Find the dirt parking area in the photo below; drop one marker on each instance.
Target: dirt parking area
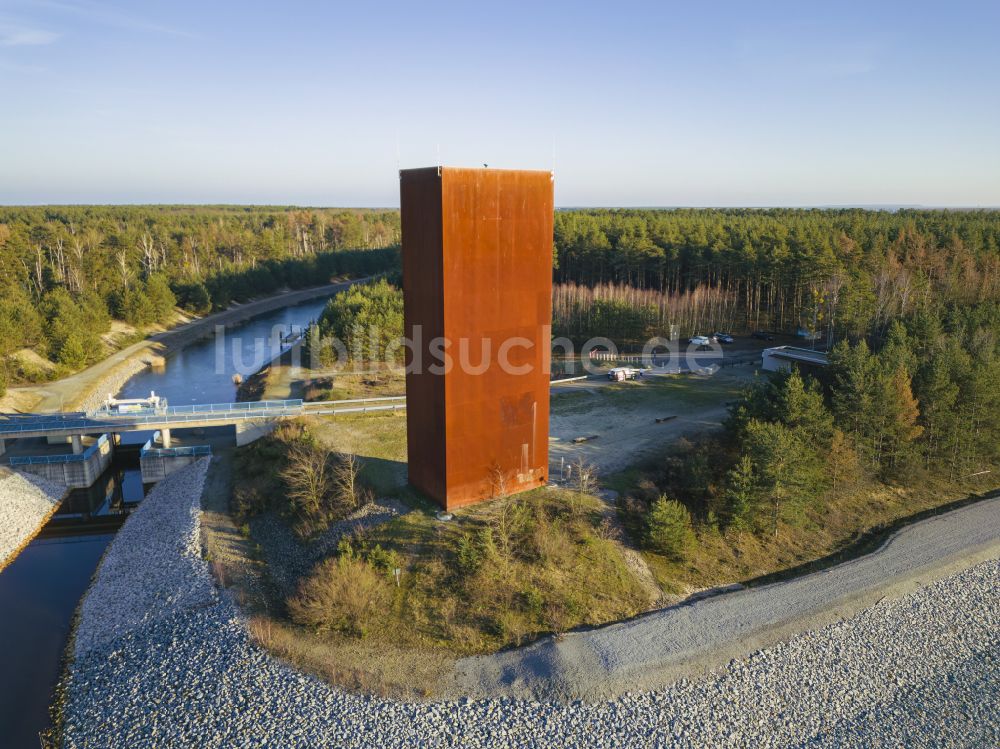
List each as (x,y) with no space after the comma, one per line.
(611,425)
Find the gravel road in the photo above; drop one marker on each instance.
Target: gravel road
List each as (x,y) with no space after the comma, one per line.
(26,502)
(921,670)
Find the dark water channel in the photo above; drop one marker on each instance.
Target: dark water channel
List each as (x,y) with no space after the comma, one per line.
(40,590)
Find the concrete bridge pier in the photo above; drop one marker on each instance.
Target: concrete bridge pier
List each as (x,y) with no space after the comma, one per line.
(77,444)
(165,438)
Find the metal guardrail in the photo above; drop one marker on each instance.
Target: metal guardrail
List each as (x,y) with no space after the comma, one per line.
(34,460)
(377,399)
(226,408)
(355,409)
(178,415)
(356,405)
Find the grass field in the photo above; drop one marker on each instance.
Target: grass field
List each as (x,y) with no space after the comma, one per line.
(680,392)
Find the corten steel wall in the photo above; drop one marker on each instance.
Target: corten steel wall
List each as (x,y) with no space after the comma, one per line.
(477,271)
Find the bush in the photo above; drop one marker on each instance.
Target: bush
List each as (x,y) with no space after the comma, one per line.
(321,486)
(668,528)
(193,297)
(345,595)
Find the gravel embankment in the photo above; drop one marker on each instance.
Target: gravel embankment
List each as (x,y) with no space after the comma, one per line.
(922,670)
(154,567)
(26,502)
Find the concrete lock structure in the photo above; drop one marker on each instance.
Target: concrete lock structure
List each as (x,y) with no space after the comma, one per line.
(477,284)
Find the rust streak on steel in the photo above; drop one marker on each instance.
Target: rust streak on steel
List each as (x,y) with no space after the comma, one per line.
(477,278)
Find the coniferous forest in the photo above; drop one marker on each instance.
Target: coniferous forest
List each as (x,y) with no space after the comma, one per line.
(907,302)
(841,273)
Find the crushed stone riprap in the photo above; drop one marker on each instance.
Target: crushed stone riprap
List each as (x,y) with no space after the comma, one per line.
(26,502)
(153,568)
(921,670)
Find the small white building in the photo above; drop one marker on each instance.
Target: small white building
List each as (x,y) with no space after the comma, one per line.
(783,358)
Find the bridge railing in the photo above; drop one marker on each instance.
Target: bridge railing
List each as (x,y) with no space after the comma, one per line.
(34,460)
(150,420)
(50,425)
(235,407)
(224,416)
(176,415)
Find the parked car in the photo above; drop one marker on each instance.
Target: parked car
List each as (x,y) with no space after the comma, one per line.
(620,374)
(723,337)
(700,340)
(763,335)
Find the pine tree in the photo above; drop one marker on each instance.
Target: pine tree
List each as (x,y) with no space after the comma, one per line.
(668,528)
(800,407)
(787,472)
(938,397)
(855,385)
(741,495)
(901,415)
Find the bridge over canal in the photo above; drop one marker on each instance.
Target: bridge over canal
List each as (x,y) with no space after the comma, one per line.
(246,416)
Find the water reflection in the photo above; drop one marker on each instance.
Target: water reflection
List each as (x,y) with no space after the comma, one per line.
(203,372)
(103,506)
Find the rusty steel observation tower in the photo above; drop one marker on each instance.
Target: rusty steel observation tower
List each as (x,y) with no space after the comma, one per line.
(477,285)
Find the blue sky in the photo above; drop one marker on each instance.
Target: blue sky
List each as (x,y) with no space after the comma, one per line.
(666,103)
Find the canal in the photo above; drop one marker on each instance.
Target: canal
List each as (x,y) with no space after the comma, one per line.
(40,590)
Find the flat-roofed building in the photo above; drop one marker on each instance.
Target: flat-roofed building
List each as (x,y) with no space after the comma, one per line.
(783,358)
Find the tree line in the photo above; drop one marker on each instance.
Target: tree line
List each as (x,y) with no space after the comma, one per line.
(843,273)
(67,271)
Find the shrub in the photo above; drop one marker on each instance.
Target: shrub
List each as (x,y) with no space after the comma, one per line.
(308,481)
(194,297)
(469,555)
(668,528)
(344,594)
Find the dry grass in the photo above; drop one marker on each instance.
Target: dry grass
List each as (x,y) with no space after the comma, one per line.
(719,559)
(373,667)
(499,574)
(378,439)
(379,382)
